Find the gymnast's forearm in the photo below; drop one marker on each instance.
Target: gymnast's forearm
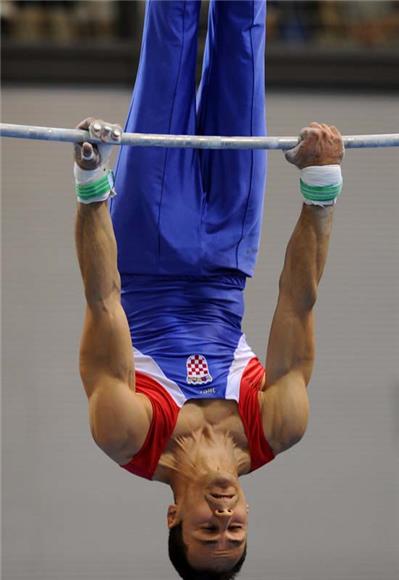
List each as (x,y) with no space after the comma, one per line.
(95,239)
(306,257)
(97,254)
(291,343)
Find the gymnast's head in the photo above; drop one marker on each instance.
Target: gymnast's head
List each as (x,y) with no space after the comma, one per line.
(208,521)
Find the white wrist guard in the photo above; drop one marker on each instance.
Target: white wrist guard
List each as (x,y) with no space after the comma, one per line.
(93,185)
(321,184)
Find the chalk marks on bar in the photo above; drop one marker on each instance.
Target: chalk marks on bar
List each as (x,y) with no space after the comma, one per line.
(188,141)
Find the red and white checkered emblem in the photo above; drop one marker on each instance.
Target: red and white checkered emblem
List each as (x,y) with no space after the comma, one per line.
(197,370)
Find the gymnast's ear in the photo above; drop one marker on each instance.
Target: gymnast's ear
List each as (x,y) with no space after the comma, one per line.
(172,516)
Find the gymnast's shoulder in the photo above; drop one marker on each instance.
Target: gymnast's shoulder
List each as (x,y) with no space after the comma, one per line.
(284,409)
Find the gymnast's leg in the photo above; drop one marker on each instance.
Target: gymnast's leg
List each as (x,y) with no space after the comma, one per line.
(231,101)
(157,212)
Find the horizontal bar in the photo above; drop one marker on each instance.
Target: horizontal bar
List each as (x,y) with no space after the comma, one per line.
(187,141)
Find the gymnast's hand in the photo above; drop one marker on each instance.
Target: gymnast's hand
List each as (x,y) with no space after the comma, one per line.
(319,144)
(90,156)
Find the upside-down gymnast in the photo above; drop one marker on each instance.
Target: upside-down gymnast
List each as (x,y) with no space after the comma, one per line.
(191,406)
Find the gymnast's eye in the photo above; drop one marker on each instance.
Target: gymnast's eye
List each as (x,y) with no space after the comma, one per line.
(210,528)
(234,528)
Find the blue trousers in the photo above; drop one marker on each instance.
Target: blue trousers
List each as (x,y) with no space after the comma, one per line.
(194,212)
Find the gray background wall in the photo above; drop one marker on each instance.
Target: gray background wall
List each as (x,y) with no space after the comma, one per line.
(328,508)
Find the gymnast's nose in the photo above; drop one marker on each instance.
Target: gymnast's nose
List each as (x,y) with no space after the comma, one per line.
(223,513)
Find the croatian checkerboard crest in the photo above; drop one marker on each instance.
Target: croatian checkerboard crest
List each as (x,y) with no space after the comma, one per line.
(198,370)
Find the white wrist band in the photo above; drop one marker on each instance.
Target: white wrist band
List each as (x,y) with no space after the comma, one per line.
(322,175)
(321,184)
(95,185)
(83,176)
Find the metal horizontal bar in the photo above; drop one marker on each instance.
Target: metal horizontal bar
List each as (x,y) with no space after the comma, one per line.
(187,141)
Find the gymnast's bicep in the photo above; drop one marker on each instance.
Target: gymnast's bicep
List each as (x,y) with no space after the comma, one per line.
(289,365)
(105,347)
(119,418)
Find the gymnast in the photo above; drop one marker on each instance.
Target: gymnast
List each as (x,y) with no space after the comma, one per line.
(165,251)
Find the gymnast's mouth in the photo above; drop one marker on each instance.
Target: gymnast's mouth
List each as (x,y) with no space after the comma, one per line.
(222,495)
(222,501)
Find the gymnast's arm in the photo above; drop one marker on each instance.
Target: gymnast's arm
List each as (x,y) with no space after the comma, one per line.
(290,352)
(119,418)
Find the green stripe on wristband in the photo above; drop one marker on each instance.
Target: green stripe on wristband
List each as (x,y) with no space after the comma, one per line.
(88,191)
(320,192)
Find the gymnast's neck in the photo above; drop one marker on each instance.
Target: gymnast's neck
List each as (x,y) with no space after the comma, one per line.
(200,456)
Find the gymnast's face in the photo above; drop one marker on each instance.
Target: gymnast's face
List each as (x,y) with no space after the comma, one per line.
(214,516)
